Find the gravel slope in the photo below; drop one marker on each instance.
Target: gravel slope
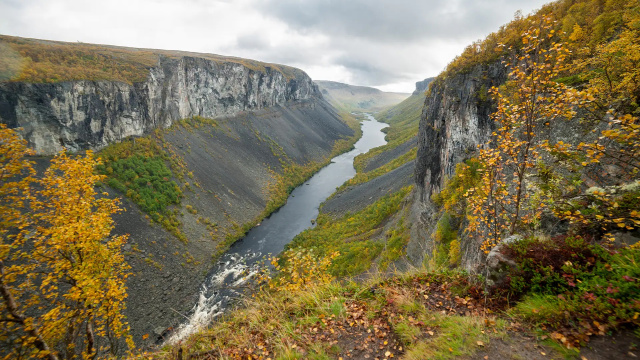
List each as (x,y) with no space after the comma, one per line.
(360,196)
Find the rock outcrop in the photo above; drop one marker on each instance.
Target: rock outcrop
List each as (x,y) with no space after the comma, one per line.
(422,86)
(92,114)
(455,120)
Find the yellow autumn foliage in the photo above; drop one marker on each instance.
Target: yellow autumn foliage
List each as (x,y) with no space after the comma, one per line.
(62,276)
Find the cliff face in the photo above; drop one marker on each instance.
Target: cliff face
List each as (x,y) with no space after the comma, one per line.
(265,114)
(455,119)
(422,86)
(92,114)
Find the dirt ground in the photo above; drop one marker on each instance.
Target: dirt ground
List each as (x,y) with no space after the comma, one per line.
(523,346)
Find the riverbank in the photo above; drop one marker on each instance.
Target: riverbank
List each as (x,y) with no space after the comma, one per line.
(226,280)
(226,167)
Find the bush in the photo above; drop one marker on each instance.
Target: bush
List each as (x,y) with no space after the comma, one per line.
(575,287)
(146,180)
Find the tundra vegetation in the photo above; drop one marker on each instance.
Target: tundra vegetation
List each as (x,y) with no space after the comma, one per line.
(42,61)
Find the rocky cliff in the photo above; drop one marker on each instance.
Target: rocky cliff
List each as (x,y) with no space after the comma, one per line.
(455,119)
(91,114)
(422,86)
(267,117)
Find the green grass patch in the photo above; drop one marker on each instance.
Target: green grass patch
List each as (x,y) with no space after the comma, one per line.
(361,177)
(351,235)
(455,336)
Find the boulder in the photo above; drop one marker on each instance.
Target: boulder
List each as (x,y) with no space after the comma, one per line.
(498,264)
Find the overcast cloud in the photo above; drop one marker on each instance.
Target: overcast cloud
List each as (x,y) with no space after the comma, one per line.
(388,44)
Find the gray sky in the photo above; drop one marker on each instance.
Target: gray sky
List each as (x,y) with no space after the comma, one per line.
(388,44)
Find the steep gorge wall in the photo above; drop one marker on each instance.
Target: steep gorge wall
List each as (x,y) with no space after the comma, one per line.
(264,118)
(231,166)
(92,114)
(455,119)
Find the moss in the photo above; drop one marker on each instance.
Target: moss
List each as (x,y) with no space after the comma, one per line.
(444,236)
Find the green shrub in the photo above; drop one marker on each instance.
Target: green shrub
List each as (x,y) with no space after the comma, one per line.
(569,283)
(452,196)
(149,178)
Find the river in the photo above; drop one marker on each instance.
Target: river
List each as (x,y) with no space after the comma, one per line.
(226,279)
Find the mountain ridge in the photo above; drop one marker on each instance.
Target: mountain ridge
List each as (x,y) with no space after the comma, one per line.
(89,114)
(358,98)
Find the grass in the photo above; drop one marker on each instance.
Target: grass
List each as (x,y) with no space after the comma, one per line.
(42,61)
(363,177)
(351,236)
(457,336)
(326,322)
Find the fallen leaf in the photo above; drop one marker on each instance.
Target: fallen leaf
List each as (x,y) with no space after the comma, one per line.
(480,343)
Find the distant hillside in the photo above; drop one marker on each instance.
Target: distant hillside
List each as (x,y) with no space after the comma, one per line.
(358,98)
(387,168)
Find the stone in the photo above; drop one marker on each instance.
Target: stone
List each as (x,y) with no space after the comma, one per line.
(622,239)
(498,264)
(158,331)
